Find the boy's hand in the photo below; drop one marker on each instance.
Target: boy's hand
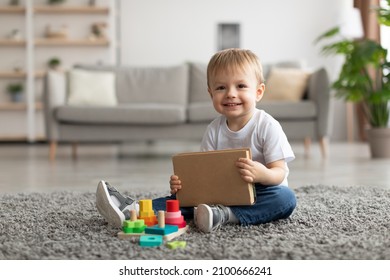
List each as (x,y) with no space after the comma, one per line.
(255,172)
(251,171)
(175,184)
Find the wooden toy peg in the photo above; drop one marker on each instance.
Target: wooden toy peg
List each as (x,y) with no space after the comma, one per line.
(133,215)
(161,219)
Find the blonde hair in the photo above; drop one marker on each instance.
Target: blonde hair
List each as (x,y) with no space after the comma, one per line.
(232,59)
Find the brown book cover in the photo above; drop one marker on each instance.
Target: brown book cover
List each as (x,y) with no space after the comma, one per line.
(212,178)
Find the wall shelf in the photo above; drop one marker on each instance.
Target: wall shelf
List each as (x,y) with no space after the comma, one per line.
(13,138)
(70,10)
(12,75)
(12,10)
(40,74)
(32,52)
(71,42)
(21,106)
(20,75)
(9,106)
(12,43)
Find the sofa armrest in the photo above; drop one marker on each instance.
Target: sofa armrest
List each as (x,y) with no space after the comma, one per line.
(54,95)
(319,92)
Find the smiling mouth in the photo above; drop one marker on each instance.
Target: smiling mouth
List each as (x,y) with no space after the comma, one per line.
(232,104)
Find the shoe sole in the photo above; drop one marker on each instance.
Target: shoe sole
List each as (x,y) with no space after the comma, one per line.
(107,208)
(204,218)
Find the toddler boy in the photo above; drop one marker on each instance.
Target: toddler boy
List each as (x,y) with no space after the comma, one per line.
(235,83)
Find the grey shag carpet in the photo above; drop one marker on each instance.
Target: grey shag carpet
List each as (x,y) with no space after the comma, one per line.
(329,223)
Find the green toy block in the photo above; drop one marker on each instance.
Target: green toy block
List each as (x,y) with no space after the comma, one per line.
(137,226)
(127,230)
(128,224)
(176,244)
(150,240)
(168,229)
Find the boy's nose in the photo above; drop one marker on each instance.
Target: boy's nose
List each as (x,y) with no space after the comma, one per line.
(231,93)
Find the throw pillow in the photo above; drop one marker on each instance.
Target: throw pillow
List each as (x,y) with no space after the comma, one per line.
(287,84)
(91,88)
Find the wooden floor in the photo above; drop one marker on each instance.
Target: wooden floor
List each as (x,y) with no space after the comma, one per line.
(26,168)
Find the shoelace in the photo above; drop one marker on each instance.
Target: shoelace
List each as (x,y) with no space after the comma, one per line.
(223,214)
(124,200)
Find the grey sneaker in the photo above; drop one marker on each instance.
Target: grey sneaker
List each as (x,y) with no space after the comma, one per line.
(112,205)
(209,218)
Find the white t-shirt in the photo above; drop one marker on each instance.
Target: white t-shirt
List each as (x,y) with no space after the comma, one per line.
(262,134)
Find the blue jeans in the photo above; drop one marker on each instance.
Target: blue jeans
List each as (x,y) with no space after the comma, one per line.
(272,203)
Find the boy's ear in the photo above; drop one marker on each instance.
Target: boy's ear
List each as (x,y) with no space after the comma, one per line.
(209,90)
(260,92)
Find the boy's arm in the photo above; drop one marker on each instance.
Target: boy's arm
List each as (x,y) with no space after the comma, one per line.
(254,172)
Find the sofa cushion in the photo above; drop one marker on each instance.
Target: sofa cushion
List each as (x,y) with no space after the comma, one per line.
(198,83)
(289,110)
(90,88)
(284,64)
(164,85)
(286,84)
(201,111)
(143,114)
(133,84)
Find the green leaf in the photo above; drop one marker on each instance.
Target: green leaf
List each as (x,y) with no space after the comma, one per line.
(383,16)
(341,47)
(330,33)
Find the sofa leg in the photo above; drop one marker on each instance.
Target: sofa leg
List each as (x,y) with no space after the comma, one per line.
(74,150)
(307,146)
(52,150)
(324,147)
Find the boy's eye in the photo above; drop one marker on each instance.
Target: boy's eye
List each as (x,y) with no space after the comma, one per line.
(220,88)
(241,86)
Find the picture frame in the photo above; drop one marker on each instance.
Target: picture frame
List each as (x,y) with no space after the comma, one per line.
(228,36)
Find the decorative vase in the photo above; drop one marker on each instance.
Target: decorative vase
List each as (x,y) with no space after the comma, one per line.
(379,140)
(17,97)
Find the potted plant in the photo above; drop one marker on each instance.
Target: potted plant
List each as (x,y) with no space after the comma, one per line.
(14,2)
(15,91)
(54,63)
(55,2)
(365,78)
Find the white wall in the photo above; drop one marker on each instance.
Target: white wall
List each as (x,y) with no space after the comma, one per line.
(174,31)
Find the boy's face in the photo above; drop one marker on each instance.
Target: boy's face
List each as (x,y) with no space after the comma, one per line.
(235,94)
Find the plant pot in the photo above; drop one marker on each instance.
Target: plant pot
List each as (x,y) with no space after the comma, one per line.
(17,97)
(379,140)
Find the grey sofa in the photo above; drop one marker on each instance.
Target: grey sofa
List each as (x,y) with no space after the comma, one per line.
(168,103)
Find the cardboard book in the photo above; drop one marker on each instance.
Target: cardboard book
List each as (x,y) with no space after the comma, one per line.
(212,178)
